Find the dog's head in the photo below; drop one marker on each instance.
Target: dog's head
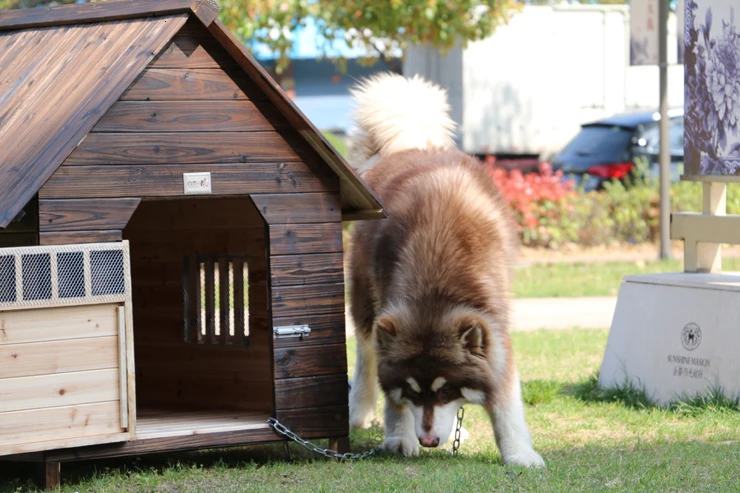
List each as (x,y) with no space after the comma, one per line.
(433,364)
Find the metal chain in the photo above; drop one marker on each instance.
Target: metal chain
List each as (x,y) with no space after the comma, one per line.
(458,427)
(348,457)
(280,428)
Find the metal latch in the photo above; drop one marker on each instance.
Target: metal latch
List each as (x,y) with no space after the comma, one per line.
(291,331)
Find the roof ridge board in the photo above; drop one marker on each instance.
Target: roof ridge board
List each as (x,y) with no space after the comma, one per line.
(205,10)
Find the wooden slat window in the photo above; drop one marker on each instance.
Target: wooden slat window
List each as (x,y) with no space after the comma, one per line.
(216,299)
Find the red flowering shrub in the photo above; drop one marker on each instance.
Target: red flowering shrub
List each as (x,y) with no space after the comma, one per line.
(539,200)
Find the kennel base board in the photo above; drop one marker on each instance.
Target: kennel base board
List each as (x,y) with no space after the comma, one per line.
(165,423)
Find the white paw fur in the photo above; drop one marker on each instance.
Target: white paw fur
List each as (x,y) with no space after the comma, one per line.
(526,458)
(405,446)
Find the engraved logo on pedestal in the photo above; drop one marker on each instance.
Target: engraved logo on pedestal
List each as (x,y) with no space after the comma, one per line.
(691,336)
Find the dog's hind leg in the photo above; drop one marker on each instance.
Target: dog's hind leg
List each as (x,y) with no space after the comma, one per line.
(364,394)
(506,411)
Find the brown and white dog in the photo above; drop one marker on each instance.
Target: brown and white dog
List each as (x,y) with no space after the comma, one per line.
(430,284)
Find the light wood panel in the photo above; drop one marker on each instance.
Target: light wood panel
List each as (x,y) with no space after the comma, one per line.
(161,423)
(57,423)
(42,358)
(55,324)
(64,389)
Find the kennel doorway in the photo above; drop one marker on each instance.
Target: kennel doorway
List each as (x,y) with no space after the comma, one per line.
(202,342)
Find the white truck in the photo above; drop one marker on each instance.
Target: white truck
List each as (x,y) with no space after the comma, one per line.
(525,91)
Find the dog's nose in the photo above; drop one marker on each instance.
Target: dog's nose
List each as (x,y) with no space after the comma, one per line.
(429,441)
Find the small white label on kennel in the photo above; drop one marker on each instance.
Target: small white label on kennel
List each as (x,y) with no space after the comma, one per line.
(196,183)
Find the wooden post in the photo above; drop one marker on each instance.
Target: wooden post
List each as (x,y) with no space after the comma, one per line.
(339,445)
(714,202)
(48,475)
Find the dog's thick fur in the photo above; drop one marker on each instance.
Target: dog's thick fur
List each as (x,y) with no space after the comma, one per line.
(430,284)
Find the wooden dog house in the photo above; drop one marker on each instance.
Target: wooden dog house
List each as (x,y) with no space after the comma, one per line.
(171,232)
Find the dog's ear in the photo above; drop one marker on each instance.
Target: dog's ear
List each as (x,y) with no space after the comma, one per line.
(472,337)
(387,329)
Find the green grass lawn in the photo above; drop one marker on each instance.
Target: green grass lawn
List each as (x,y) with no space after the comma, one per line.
(589,279)
(590,445)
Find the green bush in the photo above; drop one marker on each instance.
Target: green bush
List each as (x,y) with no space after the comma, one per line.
(620,213)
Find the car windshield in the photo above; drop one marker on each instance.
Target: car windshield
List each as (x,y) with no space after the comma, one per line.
(651,136)
(598,144)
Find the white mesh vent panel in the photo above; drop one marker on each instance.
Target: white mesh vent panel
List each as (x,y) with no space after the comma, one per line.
(64,275)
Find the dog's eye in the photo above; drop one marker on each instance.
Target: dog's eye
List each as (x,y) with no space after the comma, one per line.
(447,393)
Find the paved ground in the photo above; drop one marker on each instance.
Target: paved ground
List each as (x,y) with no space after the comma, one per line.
(563,313)
(556,313)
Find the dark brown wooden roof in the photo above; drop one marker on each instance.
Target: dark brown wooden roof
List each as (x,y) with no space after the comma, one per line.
(55,84)
(61,68)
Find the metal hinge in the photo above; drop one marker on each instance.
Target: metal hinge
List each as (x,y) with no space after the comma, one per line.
(291,331)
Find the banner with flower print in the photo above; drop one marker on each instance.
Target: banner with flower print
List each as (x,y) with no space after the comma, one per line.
(644,32)
(711,88)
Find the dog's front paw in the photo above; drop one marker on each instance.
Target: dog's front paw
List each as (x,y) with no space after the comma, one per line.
(526,458)
(401,445)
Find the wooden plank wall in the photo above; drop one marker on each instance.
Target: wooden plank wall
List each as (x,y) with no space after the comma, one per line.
(169,371)
(194,110)
(307,287)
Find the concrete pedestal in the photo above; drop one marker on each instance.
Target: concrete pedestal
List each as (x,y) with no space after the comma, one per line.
(676,334)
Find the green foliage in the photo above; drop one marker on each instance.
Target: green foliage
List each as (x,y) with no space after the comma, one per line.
(627,394)
(339,144)
(715,400)
(378,28)
(540,391)
(631,395)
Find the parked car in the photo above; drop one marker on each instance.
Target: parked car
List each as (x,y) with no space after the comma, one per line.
(607,149)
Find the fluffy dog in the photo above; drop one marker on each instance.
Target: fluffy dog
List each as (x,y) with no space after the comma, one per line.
(430,287)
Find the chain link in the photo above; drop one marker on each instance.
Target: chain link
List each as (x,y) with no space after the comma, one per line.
(348,457)
(280,428)
(458,428)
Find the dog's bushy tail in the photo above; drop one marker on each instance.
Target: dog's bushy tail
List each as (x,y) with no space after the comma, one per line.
(395,114)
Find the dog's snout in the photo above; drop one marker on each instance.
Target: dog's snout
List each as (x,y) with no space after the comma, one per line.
(429,441)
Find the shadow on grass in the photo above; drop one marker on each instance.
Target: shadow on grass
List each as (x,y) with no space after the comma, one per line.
(18,477)
(629,394)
